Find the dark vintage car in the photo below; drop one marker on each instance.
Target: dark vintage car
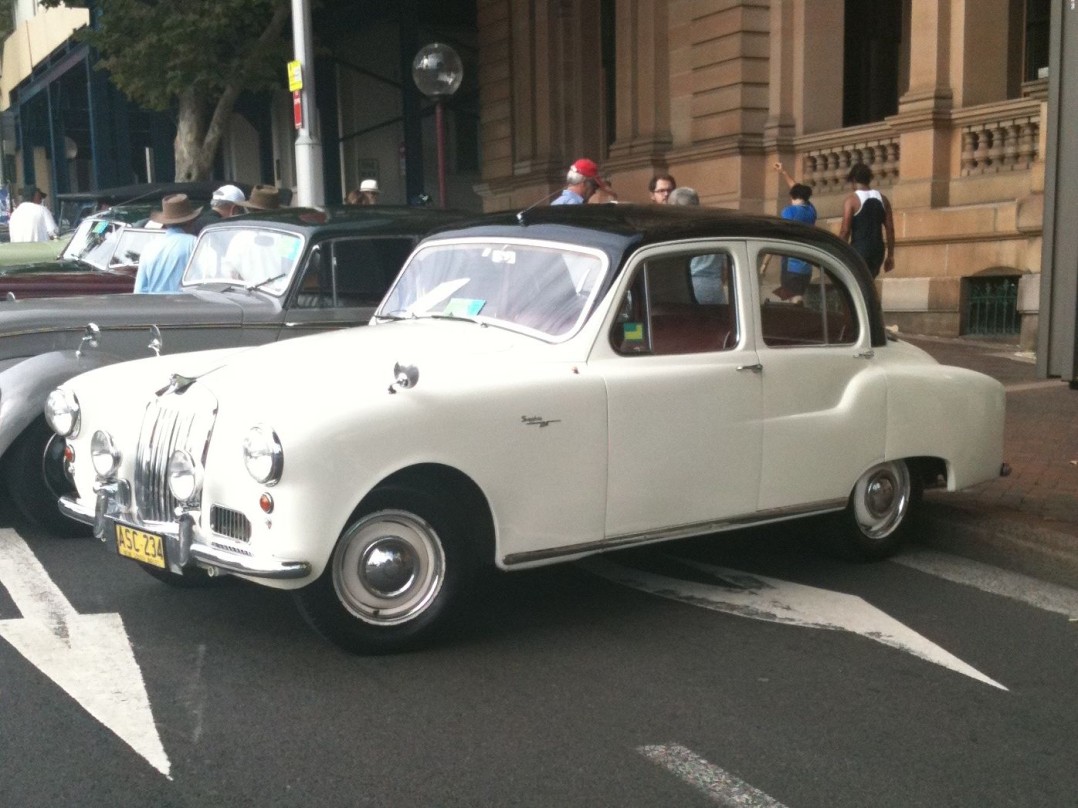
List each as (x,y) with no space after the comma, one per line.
(252,279)
(101,255)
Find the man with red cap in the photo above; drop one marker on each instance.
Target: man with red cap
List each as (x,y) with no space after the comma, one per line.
(581,182)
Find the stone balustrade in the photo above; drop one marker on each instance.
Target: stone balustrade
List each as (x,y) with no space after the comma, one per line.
(1008,144)
(824,167)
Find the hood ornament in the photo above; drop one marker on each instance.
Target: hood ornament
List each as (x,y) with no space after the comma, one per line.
(404,377)
(89,338)
(177,383)
(155,340)
(10,295)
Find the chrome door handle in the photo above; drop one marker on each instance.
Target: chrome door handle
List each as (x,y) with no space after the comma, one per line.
(757,368)
(869,354)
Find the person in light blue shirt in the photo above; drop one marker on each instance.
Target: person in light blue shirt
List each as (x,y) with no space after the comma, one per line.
(161,265)
(582,180)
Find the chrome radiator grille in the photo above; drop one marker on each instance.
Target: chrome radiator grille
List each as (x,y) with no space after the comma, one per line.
(175,420)
(229,523)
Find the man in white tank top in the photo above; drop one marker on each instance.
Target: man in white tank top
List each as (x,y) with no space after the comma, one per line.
(867,222)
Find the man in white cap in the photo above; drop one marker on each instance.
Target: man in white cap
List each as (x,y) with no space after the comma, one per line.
(582,181)
(161,265)
(226,201)
(31,221)
(368,192)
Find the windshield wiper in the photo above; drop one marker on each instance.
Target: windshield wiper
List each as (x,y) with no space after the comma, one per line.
(462,317)
(399,314)
(252,286)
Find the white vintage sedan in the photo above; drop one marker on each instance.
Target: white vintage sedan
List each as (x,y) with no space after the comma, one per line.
(533,389)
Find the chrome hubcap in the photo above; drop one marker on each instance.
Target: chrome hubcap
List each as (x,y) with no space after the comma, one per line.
(881,499)
(388,567)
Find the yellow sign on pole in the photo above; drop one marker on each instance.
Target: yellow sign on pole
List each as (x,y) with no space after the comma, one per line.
(295,75)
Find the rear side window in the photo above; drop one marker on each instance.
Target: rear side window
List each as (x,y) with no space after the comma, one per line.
(352,272)
(679,304)
(804,304)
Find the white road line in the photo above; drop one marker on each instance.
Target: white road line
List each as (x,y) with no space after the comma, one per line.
(776,601)
(88,655)
(721,786)
(1040,594)
(1023,387)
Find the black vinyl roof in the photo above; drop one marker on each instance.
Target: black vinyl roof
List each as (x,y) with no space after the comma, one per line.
(375,219)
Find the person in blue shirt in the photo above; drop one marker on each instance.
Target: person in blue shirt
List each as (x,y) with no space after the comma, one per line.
(796,273)
(161,265)
(582,181)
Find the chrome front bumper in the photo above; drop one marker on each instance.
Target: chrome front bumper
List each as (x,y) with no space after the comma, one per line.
(185,544)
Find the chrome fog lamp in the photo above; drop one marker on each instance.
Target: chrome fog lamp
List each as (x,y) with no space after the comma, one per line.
(263,455)
(103,454)
(62,412)
(184,476)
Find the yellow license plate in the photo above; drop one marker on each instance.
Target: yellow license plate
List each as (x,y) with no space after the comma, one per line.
(145,547)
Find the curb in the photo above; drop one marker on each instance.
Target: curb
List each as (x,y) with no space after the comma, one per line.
(1002,539)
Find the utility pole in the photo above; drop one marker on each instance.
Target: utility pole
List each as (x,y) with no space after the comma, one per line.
(310,185)
(1057,351)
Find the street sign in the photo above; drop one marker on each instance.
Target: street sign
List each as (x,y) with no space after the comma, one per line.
(295,75)
(297,109)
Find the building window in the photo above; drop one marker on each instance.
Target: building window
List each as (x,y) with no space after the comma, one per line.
(873,41)
(1038,23)
(992,308)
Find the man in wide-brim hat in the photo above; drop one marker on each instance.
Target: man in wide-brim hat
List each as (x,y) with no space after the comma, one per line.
(161,265)
(263,197)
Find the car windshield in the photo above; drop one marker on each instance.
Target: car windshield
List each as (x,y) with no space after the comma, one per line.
(534,287)
(93,242)
(245,256)
(108,244)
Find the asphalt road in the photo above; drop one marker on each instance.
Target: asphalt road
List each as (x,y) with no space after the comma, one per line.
(565,687)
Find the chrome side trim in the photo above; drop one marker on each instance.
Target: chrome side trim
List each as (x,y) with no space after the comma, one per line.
(679,532)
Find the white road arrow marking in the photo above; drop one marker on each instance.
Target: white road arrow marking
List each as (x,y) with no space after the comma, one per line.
(88,655)
(778,601)
(719,785)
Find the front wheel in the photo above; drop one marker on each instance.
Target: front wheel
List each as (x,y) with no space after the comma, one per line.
(34,474)
(877,517)
(392,576)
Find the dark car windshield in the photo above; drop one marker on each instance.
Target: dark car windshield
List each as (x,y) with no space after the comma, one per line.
(246,256)
(537,287)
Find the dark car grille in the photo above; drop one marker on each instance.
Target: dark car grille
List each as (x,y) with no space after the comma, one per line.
(173,421)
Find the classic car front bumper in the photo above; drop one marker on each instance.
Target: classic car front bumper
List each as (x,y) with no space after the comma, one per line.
(185,543)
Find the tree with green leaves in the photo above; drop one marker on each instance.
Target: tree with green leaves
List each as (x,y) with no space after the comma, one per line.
(192,58)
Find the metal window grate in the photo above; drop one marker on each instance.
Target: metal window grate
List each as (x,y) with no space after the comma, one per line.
(993,306)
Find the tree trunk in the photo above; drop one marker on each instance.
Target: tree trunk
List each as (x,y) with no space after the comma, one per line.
(193,160)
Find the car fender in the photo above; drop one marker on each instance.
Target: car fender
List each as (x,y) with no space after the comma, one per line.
(26,383)
(947,412)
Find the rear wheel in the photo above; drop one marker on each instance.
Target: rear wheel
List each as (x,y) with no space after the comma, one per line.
(878,515)
(35,478)
(393,575)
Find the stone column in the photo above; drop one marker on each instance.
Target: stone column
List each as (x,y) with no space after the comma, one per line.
(642,128)
(923,110)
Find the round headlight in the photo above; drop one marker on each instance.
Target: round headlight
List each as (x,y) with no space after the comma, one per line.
(62,412)
(103,454)
(184,476)
(263,455)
